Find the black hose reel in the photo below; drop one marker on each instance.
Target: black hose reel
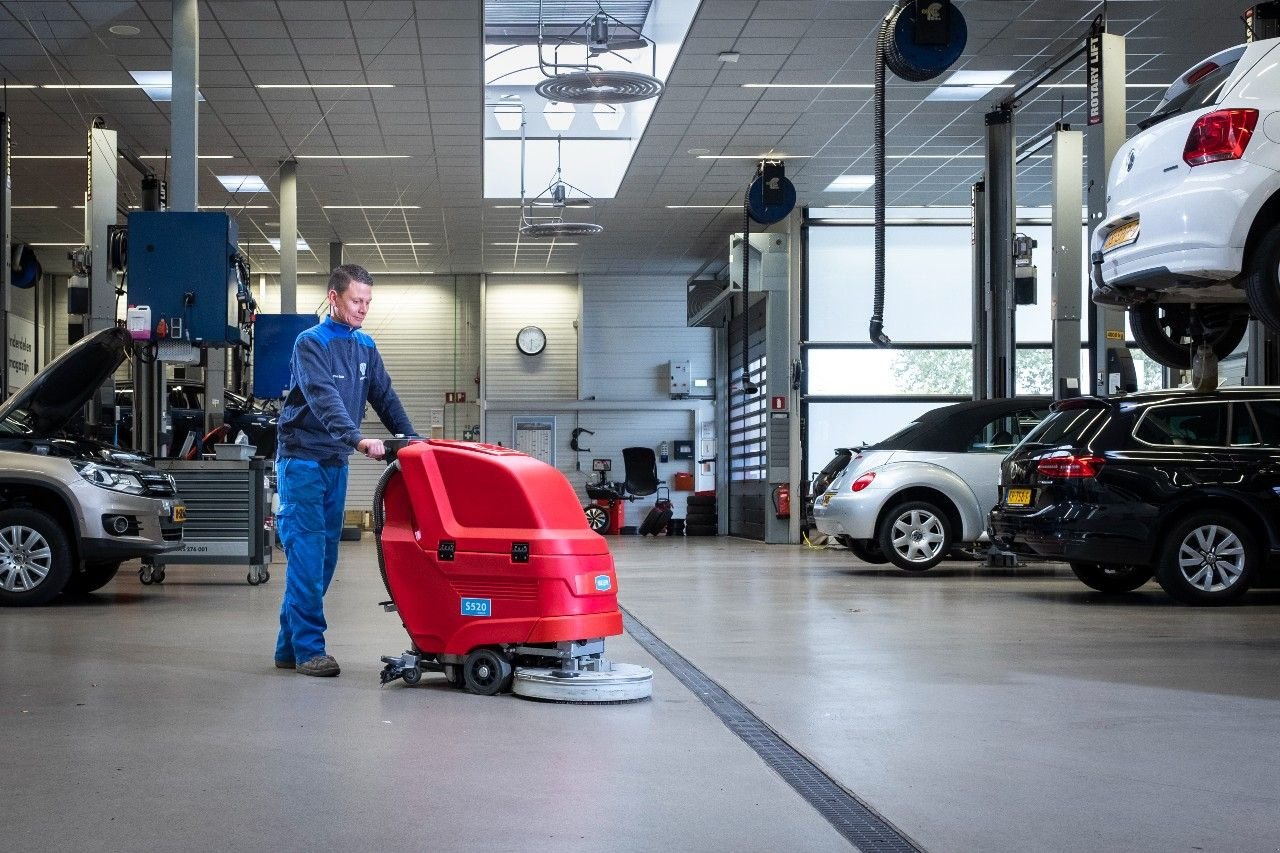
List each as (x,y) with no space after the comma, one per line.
(925,38)
(919,39)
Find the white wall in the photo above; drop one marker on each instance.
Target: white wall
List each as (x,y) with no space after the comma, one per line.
(632,327)
(512,302)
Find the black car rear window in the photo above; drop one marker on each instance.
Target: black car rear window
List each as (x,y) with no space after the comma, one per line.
(1204,93)
(1192,424)
(1070,426)
(1266,414)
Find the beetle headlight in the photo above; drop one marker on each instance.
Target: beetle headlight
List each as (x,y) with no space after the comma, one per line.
(107,477)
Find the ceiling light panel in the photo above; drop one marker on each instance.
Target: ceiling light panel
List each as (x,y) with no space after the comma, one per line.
(243,183)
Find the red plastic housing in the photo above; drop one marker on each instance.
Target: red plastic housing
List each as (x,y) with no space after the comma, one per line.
(483,545)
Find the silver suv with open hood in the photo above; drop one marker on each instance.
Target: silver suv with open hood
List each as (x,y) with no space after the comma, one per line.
(73,509)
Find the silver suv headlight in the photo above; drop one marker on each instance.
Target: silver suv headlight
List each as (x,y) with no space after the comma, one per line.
(107,477)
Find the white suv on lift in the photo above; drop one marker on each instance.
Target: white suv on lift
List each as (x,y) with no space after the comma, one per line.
(1191,242)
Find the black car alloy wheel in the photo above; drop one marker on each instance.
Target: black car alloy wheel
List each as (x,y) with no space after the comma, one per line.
(1208,558)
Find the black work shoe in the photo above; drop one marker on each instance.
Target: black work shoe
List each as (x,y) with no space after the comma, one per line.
(324,666)
(285,664)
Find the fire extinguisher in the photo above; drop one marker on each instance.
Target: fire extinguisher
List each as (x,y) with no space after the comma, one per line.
(782,500)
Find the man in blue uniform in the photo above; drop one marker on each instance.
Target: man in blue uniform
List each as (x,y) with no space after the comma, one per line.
(335,370)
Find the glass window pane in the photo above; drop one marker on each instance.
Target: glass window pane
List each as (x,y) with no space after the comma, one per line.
(882,372)
(928,282)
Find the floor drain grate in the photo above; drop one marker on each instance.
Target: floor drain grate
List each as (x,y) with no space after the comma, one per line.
(851,817)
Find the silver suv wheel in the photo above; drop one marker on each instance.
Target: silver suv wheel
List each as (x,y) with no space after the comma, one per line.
(35,557)
(25,558)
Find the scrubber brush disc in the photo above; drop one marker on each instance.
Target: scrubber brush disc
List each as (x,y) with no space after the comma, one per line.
(614,683)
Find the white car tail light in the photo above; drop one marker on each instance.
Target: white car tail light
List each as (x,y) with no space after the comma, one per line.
(1219,135)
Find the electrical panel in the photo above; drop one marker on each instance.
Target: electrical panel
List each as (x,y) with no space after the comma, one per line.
(186,268)
(273,339)
(679,372)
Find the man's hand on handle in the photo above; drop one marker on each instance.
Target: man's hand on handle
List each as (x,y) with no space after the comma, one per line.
(371,447)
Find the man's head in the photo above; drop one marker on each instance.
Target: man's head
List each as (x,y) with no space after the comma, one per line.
(350,292)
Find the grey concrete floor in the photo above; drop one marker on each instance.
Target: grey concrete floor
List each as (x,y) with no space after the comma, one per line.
(976,709)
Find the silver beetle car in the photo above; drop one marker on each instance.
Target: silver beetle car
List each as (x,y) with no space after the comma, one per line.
(908,500)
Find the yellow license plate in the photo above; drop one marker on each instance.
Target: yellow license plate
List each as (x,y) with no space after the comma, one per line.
(179,513)
(826,498)
(1122,236)
(1017,497)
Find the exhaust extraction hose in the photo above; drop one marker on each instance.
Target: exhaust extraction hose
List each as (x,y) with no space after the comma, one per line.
(876,330)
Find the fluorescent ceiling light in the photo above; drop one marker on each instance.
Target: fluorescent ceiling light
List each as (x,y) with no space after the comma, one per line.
(243,183)
(47,157)
(55,244)
(537,245)
(234,206)
(124,30)
(326,85)
(754,156)
(371,207)
(808,85)
(977,78)
(158,85)
(703,206)
(363,245)
(851,183)
(274,242)
(959,93)
(33,207)
(89,86)
(200,156)
(352,156)
(20,86)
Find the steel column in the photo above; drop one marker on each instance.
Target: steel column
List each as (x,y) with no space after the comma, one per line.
(289,236)
(1000,225)
(978,237)
(6,240)
(1106,93)
(184,129)
(1068,260)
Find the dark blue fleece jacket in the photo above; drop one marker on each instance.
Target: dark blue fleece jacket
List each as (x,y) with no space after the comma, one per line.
(335,370)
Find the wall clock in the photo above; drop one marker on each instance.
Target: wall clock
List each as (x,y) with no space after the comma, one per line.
(531,340)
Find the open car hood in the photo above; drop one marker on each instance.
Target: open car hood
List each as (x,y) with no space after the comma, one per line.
(59,392)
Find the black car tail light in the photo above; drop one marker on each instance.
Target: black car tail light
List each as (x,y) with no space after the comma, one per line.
(1070,466)
(864,481)
(1219,135)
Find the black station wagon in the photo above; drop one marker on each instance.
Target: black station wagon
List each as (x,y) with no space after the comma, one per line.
(1181,485)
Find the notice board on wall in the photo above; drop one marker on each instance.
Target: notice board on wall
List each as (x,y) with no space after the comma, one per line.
(536,437)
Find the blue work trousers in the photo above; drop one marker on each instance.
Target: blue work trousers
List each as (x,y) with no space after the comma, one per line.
(312,498)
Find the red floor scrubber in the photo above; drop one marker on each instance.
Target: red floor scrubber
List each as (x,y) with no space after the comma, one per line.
(496,576)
